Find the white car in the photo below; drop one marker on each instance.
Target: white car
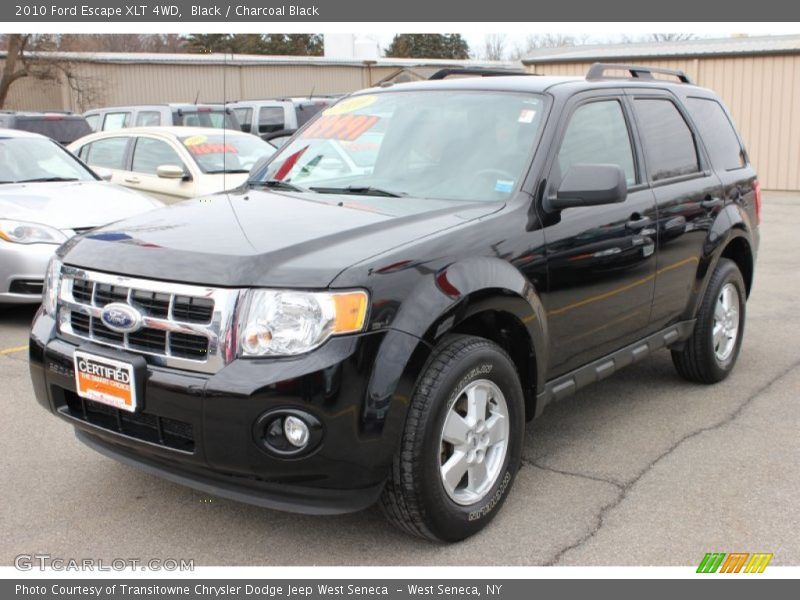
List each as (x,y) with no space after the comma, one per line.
(46,197)
(173,163)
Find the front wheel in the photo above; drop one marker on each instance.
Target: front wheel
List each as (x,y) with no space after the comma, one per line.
(462,442)
(710,354)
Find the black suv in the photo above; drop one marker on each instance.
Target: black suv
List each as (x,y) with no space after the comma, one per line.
(423,268)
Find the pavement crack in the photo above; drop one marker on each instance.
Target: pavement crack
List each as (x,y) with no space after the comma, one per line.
(532,463)
(626,487)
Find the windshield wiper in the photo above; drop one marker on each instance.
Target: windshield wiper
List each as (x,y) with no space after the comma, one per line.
(46,179)
(278,185)
(360,190)
(218,171)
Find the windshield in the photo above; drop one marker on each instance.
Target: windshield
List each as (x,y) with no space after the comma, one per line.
(36,159)
(226,153)
(441,144)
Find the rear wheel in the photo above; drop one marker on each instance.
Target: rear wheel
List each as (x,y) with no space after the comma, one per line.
(461,445)
(710,354)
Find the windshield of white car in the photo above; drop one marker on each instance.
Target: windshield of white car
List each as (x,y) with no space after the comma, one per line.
(226,153)
(448,145)
(36,160)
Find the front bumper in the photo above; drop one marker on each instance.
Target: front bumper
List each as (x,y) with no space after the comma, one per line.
(198,429)
(22,271)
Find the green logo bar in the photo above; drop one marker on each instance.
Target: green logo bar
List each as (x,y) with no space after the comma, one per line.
(711,562)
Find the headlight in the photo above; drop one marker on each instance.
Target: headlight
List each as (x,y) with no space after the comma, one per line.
(21,232)
(52,281)
(283,323)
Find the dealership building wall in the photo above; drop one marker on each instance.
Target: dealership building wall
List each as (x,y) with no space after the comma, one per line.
(757,78)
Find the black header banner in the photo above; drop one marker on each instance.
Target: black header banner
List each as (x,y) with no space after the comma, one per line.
(440,11)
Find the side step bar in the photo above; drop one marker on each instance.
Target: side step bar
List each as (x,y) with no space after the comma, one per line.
(566,385)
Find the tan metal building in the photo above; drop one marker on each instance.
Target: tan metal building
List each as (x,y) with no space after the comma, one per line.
(108,79)
(757,77)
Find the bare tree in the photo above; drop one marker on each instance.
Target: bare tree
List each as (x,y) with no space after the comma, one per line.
(671,37)
(546,40)
(34,56)
(494,46)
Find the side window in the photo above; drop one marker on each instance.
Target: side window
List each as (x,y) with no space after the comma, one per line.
(148,118)
(597,133)
(717,132)
(270,118)
(93,121)
(245,116)
(149,154)
(668,142)
(116,120)
(108,153)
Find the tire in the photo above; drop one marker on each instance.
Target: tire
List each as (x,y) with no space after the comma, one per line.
(702,360)
(416,499)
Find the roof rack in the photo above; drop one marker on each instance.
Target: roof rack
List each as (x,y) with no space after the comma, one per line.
(476,71)
(598,71)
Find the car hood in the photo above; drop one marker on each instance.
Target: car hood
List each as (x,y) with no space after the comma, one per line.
(72,204)
(256,238)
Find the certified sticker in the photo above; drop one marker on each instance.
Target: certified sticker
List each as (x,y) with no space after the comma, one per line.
(105,380)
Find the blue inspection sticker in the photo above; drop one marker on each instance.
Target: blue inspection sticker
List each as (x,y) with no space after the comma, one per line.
(504,185)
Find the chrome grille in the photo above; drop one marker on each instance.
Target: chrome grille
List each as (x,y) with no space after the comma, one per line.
(183,326)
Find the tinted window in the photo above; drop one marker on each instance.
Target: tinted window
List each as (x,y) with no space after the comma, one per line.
(116,120)
(148,118)
(717,133)
(206,118)
(270,118)
(149,154)
(108,153)
(245,116)
(668,142)
(597,133)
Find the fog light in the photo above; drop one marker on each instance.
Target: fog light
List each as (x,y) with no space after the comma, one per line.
(296,431)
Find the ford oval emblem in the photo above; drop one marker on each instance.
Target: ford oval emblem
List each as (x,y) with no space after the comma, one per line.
(121,318)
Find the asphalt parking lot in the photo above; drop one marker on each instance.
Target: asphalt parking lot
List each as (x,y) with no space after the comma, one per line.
(642,469)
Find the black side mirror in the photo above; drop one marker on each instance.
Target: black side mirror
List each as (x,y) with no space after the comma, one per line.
(590,185)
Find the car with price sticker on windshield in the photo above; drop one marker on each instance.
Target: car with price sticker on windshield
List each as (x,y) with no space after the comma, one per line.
(374,314)
(173,163)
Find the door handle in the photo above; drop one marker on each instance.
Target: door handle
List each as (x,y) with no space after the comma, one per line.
(637,222)
(132,180)
(710,202)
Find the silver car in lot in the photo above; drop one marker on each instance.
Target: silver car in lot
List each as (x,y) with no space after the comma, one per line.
(47,196)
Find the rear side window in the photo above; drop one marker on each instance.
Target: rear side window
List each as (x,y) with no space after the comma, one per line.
(149,154)
(93,121)
(108,153)
(597,133)
(270,118)
(148,118)
(668,142)
(116,120)
(717,132)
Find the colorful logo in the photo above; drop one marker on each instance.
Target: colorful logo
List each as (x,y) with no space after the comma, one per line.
(735,562)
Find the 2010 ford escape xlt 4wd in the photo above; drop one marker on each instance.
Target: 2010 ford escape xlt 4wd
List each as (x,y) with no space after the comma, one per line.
(374,316)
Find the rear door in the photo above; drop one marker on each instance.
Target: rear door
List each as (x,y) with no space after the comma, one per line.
(109,153)
(688,194)
(600,259)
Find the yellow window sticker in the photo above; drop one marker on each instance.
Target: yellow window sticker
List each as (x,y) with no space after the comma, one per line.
(195,140)
(351,105)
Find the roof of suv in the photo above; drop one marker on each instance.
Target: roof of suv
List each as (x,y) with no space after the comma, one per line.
(178,105)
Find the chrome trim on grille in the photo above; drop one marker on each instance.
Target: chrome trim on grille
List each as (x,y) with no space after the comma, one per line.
(220,331)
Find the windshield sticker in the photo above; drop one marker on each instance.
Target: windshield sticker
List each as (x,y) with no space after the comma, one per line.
(350,105)
(212,149)
(195,140)
(346,128)
(504,185)
(526,115)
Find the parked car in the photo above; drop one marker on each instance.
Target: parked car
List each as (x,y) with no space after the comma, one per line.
(277,119)
(154,115)
(173,163)
(46,197)
(63,127)
(322,339)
